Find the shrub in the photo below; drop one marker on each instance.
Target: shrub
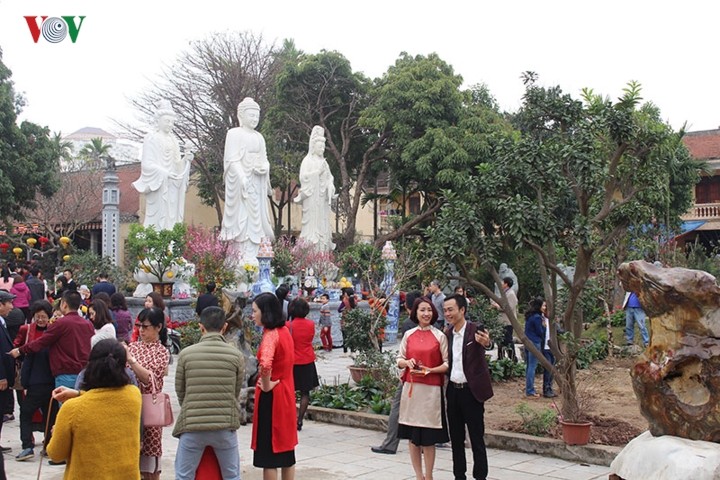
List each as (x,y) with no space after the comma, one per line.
(590,352)
(189,334)
(366,395)
(536,422)
(361,329)
(505,369)
(211,257)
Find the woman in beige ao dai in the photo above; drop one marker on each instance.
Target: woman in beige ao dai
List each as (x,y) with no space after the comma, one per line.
(424,357)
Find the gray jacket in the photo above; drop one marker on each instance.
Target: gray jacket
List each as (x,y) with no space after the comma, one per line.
(208,381)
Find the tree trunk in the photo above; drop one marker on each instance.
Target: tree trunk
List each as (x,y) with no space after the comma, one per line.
(569,408)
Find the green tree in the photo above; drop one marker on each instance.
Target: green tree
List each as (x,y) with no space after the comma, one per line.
(95,153)
(322,89)
(29,158)
(567,186)
(413,122)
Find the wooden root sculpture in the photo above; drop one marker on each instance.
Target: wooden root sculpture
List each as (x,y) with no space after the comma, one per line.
(677,378)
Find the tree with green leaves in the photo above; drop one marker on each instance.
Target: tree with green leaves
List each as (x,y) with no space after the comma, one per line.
(414,122)
(96,153)
(566,186)
(29,158)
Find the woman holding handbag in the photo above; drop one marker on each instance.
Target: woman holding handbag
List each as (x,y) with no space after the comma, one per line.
(148,358)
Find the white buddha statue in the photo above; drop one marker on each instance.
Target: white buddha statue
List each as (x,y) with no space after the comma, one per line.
(247,184)
(164,173)
(316,193)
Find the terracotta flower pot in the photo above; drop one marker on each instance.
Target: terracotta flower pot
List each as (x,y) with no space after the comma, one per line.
(357,373)
(576,433)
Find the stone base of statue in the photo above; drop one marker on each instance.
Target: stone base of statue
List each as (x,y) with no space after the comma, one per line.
(667,458)
(178,310)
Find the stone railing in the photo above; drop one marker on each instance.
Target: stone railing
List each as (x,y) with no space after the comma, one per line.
(703,211)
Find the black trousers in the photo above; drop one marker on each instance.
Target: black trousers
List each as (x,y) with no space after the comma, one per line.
(36,396)
(463,409)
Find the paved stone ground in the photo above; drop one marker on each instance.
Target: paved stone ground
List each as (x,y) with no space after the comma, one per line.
(329,451)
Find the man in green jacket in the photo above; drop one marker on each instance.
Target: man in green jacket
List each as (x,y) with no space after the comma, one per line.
(208,381)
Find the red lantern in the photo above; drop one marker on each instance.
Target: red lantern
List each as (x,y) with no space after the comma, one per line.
(4,247)
(43,241)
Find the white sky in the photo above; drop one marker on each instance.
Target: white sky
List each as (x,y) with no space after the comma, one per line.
(669,47)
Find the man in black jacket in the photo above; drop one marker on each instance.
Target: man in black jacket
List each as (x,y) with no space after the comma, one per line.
(469,387)
(207,299)
(7,363)
(36,285)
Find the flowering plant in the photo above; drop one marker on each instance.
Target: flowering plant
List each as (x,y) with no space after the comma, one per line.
(250,271)
(211,257)
(306,255)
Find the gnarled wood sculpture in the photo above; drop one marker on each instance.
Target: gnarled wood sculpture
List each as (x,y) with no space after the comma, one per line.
(677,378)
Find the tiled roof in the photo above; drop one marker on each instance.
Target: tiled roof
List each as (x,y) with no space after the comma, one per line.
(88,133)
(703,145)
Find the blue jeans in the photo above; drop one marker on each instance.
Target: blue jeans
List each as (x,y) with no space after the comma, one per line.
(632,315)
(65,380)
(192,445)
(530,368)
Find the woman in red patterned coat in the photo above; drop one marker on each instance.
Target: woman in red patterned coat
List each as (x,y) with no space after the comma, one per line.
(274,434)
(148,358)
(424,356)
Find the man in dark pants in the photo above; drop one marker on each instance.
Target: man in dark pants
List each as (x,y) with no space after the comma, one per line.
(7,363)
(468,389)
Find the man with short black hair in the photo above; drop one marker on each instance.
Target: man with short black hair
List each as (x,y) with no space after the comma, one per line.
(103,285)
(207,299)
(36,285)
(68,274)
(7,364)
(506,345)
(197,425)
(468,389)
(438,299)
(68,341)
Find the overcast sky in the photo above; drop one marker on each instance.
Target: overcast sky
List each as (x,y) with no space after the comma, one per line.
(671,50)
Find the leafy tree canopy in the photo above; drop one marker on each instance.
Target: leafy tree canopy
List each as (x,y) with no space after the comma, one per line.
(29,158)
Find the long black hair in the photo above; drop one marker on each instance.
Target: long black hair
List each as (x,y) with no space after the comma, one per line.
(350,294)
(534,307)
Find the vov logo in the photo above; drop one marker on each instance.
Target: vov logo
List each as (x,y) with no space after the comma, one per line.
(54,29)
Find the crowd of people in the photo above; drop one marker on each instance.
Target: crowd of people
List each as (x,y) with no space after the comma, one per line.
(77,350)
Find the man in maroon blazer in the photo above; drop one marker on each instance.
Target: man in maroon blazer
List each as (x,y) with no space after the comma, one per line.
(469,387)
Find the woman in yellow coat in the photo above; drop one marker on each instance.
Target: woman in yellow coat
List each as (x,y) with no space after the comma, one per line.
(95,444)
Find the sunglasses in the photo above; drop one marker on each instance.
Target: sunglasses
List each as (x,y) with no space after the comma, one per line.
(143,326)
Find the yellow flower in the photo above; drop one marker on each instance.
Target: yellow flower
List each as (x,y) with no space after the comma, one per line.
(169,274)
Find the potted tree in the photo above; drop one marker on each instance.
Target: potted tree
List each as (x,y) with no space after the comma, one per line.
(362,335)
(568,183)
(159,254)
